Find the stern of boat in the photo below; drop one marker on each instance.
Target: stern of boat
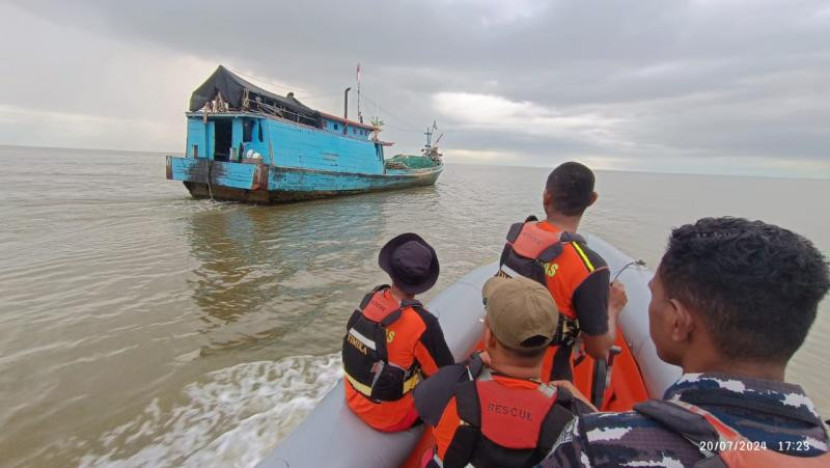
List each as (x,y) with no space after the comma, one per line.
(221,180)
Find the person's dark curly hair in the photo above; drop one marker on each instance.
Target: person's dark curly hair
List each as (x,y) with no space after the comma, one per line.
(571,185)
(757,286)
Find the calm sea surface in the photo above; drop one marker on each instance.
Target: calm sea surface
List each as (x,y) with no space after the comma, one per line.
(139,327)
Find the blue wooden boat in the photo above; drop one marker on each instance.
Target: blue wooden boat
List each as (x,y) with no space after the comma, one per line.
(245,143)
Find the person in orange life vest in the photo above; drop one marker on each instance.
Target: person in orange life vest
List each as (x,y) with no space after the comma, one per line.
(494,410)
(551,253)
(392,341)
(731,302)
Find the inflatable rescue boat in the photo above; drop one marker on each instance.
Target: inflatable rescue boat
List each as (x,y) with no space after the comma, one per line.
(332,436)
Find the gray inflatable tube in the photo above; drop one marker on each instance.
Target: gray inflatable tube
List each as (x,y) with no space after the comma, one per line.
(332,436)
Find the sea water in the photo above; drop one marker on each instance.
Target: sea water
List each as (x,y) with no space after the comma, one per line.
(143,328)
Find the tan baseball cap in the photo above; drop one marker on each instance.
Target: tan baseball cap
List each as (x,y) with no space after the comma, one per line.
(519,309)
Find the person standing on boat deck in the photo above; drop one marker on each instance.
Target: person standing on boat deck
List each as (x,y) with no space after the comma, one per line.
(493,410)
(731,302)
(551,253)
(392,341)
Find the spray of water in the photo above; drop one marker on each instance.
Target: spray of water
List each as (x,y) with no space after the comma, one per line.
(233,418)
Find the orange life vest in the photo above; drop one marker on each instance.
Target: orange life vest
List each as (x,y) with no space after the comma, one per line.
(730,449)
(365,355)
(530,251)
(501,425)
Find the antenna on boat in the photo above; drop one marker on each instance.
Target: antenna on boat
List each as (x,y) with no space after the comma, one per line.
(359,114)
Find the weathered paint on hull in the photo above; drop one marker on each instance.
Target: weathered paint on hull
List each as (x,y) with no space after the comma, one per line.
(261,183)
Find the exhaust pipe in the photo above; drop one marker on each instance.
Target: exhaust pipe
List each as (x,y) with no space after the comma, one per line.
(346,103)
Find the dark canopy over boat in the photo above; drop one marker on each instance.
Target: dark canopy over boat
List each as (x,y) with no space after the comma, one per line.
(243,95)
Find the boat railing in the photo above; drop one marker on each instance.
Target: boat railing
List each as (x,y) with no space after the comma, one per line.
(267,110)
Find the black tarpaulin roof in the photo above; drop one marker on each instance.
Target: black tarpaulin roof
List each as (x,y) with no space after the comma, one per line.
(233,87)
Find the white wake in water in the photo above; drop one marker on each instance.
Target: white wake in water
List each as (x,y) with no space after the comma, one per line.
(233,419)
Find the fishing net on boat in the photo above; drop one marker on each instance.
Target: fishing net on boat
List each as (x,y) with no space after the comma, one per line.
(409,161)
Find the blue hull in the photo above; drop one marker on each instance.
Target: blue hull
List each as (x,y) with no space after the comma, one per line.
(247,144)
(263,183)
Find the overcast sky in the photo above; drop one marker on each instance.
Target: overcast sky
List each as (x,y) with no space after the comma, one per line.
(723,86)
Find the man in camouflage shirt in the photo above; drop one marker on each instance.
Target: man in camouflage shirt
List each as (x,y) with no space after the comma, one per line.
(732,301)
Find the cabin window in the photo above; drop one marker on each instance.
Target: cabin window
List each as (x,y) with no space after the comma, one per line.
(336,127)
(259,131)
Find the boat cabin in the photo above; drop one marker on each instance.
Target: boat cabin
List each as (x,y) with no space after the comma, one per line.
(232,120)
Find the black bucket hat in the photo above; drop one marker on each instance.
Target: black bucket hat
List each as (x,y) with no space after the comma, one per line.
(411,263)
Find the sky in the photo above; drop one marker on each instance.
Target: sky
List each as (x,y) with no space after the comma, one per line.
(702,86)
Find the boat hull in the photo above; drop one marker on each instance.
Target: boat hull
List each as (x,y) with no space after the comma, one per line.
(266,184)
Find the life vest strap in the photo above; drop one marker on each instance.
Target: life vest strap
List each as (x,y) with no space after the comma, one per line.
(368,297)
(366,390)
(567,331)
(361,388)
(724,431)
(410,383)
(714,397)
(691,426)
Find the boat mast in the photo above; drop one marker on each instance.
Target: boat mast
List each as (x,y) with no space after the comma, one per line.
(429,133)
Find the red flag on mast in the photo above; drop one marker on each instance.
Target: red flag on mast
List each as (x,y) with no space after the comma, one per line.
(358,72)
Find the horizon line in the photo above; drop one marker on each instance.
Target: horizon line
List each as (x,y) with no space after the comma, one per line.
(532,166)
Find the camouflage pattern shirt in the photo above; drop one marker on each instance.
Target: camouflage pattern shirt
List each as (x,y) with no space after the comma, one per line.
(776,413)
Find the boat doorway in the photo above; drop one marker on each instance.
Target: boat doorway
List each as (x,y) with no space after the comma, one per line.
(222,146)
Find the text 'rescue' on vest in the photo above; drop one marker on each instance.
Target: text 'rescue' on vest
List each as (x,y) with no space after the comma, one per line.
(365,357)
(501,425)
(530,251)
(721,445)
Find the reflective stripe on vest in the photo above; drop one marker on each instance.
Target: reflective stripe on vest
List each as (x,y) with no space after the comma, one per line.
(408,385)
(366,341)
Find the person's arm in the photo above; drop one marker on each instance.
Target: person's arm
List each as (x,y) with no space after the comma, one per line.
(431,350)
(597,307)
(569,450)
(585,404)
(434,400)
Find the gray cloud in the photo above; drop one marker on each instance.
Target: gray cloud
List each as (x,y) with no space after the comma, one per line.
(617,81)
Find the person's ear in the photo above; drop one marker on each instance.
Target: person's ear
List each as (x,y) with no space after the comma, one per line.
(489,338)
(594,197)
(547,201)
(682,322)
